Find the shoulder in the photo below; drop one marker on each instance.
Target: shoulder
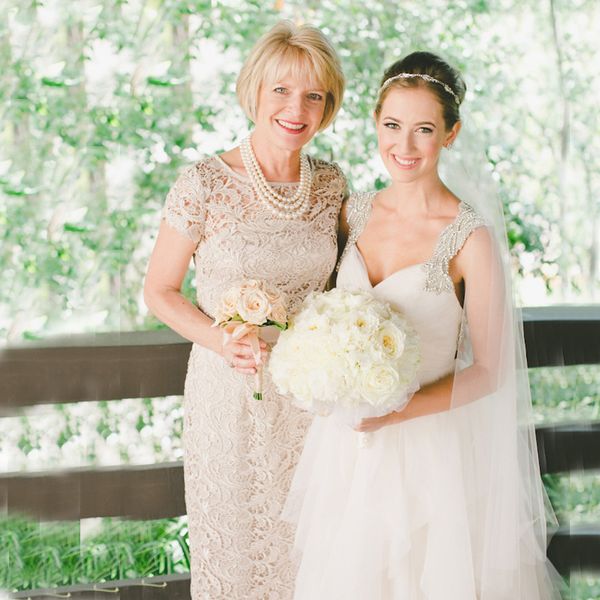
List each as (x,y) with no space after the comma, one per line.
(329,175)
(475,240)
(356,211)
(455,235)
(359,203)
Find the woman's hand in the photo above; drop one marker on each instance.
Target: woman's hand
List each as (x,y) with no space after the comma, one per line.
(238,355)
(374,423)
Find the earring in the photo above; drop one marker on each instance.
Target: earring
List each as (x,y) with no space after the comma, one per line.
(448,146)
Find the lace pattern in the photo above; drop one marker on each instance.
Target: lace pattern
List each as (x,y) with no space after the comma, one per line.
(239,454)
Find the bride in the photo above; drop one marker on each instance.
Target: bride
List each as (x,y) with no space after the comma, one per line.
(446,501)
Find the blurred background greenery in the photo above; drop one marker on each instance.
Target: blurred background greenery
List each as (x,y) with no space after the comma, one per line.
(101,102)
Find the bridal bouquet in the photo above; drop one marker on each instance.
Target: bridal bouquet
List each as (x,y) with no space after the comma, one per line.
(349,353)
(246,307)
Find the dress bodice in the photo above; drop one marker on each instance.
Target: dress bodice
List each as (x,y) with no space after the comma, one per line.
(423,292)
(237,237)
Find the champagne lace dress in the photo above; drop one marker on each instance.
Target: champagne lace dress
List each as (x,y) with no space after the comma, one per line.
(240,453)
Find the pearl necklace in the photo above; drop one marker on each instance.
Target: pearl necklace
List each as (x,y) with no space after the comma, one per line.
(281,206)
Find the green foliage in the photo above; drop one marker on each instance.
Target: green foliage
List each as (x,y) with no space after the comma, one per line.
(101,105)
(566,394)
(102,102)
(37,555)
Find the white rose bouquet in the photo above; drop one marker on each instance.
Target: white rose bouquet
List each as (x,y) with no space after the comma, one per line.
(246,307)
(349,353)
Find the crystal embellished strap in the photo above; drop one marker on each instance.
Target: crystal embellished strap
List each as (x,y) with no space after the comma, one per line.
(451,240)
(358,211)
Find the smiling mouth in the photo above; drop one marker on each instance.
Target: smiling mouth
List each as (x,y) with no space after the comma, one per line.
(290,126)
(405,163)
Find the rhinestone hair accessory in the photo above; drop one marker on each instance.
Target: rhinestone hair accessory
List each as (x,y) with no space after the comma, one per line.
(423,76)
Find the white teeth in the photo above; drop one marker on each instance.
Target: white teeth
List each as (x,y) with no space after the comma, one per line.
(405,163)
(290,125)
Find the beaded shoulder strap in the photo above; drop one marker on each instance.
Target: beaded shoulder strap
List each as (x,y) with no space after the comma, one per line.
(358,211)
(451,240)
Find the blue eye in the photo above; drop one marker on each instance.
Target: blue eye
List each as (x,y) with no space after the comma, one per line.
(315,96)
(391,125)
(280,90)
(425,130)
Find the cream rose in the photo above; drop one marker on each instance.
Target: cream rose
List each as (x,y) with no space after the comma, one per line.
(228,307)
(379,381)
(391,341)
(278,312)
(253,306)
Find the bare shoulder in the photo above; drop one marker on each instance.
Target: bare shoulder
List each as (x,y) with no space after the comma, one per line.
(477,252)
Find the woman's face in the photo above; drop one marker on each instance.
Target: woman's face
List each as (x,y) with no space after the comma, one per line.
(411,133)
(289,112)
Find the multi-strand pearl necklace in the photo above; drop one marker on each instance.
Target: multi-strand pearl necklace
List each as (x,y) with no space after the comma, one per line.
(281,206)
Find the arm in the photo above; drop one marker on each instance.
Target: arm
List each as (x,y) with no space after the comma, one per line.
(477,264)
(162,293)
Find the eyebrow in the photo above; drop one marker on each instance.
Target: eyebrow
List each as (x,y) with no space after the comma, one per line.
(311,89)
(420,123)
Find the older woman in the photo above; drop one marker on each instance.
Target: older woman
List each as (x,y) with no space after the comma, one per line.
(263,210)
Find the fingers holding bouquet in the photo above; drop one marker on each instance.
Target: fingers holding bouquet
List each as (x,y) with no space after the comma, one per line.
(372,424)
(238,354)
(243,310)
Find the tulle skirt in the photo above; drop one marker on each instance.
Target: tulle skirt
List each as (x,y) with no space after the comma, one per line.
(408,517)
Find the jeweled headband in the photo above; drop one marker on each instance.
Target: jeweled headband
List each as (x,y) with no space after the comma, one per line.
(423,76)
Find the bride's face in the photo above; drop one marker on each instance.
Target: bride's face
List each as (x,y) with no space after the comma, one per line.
(411,133)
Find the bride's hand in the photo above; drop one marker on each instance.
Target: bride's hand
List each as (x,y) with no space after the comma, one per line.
(374,423)
(238,355)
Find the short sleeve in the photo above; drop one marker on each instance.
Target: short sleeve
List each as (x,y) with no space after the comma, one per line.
(185,206)
(330,181)
(341,188)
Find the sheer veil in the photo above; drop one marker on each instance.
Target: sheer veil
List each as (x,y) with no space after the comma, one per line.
(492,404)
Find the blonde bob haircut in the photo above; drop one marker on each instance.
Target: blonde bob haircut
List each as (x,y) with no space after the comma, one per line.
(300,51)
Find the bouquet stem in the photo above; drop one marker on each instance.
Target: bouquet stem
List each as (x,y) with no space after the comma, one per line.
(257,395)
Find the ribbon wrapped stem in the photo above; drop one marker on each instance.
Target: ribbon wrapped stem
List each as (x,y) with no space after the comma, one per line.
(236,331)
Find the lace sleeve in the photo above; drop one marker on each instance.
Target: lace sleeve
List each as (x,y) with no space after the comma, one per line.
(341,185)
(330,180)
(184,208)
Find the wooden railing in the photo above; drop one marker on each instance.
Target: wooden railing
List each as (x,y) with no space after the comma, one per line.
(152,364)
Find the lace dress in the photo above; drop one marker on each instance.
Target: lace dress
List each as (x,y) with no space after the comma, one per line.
(239,453)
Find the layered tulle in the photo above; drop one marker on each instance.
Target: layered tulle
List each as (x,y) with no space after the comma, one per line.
(408,517)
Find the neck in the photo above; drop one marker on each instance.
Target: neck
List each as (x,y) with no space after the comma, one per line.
(417,197)
(277,164)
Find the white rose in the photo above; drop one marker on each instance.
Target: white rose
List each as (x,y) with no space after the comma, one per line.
(378,382)
(391,341)
(253,306)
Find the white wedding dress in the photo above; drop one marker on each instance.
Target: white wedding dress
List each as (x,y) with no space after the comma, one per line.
(396,520)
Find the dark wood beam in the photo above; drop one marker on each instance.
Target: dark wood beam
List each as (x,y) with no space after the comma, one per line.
(136,492)
(153,363)
(156,491)
(573,447)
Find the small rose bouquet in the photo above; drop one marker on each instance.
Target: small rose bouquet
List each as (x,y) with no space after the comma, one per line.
(347,352)
(246,307)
